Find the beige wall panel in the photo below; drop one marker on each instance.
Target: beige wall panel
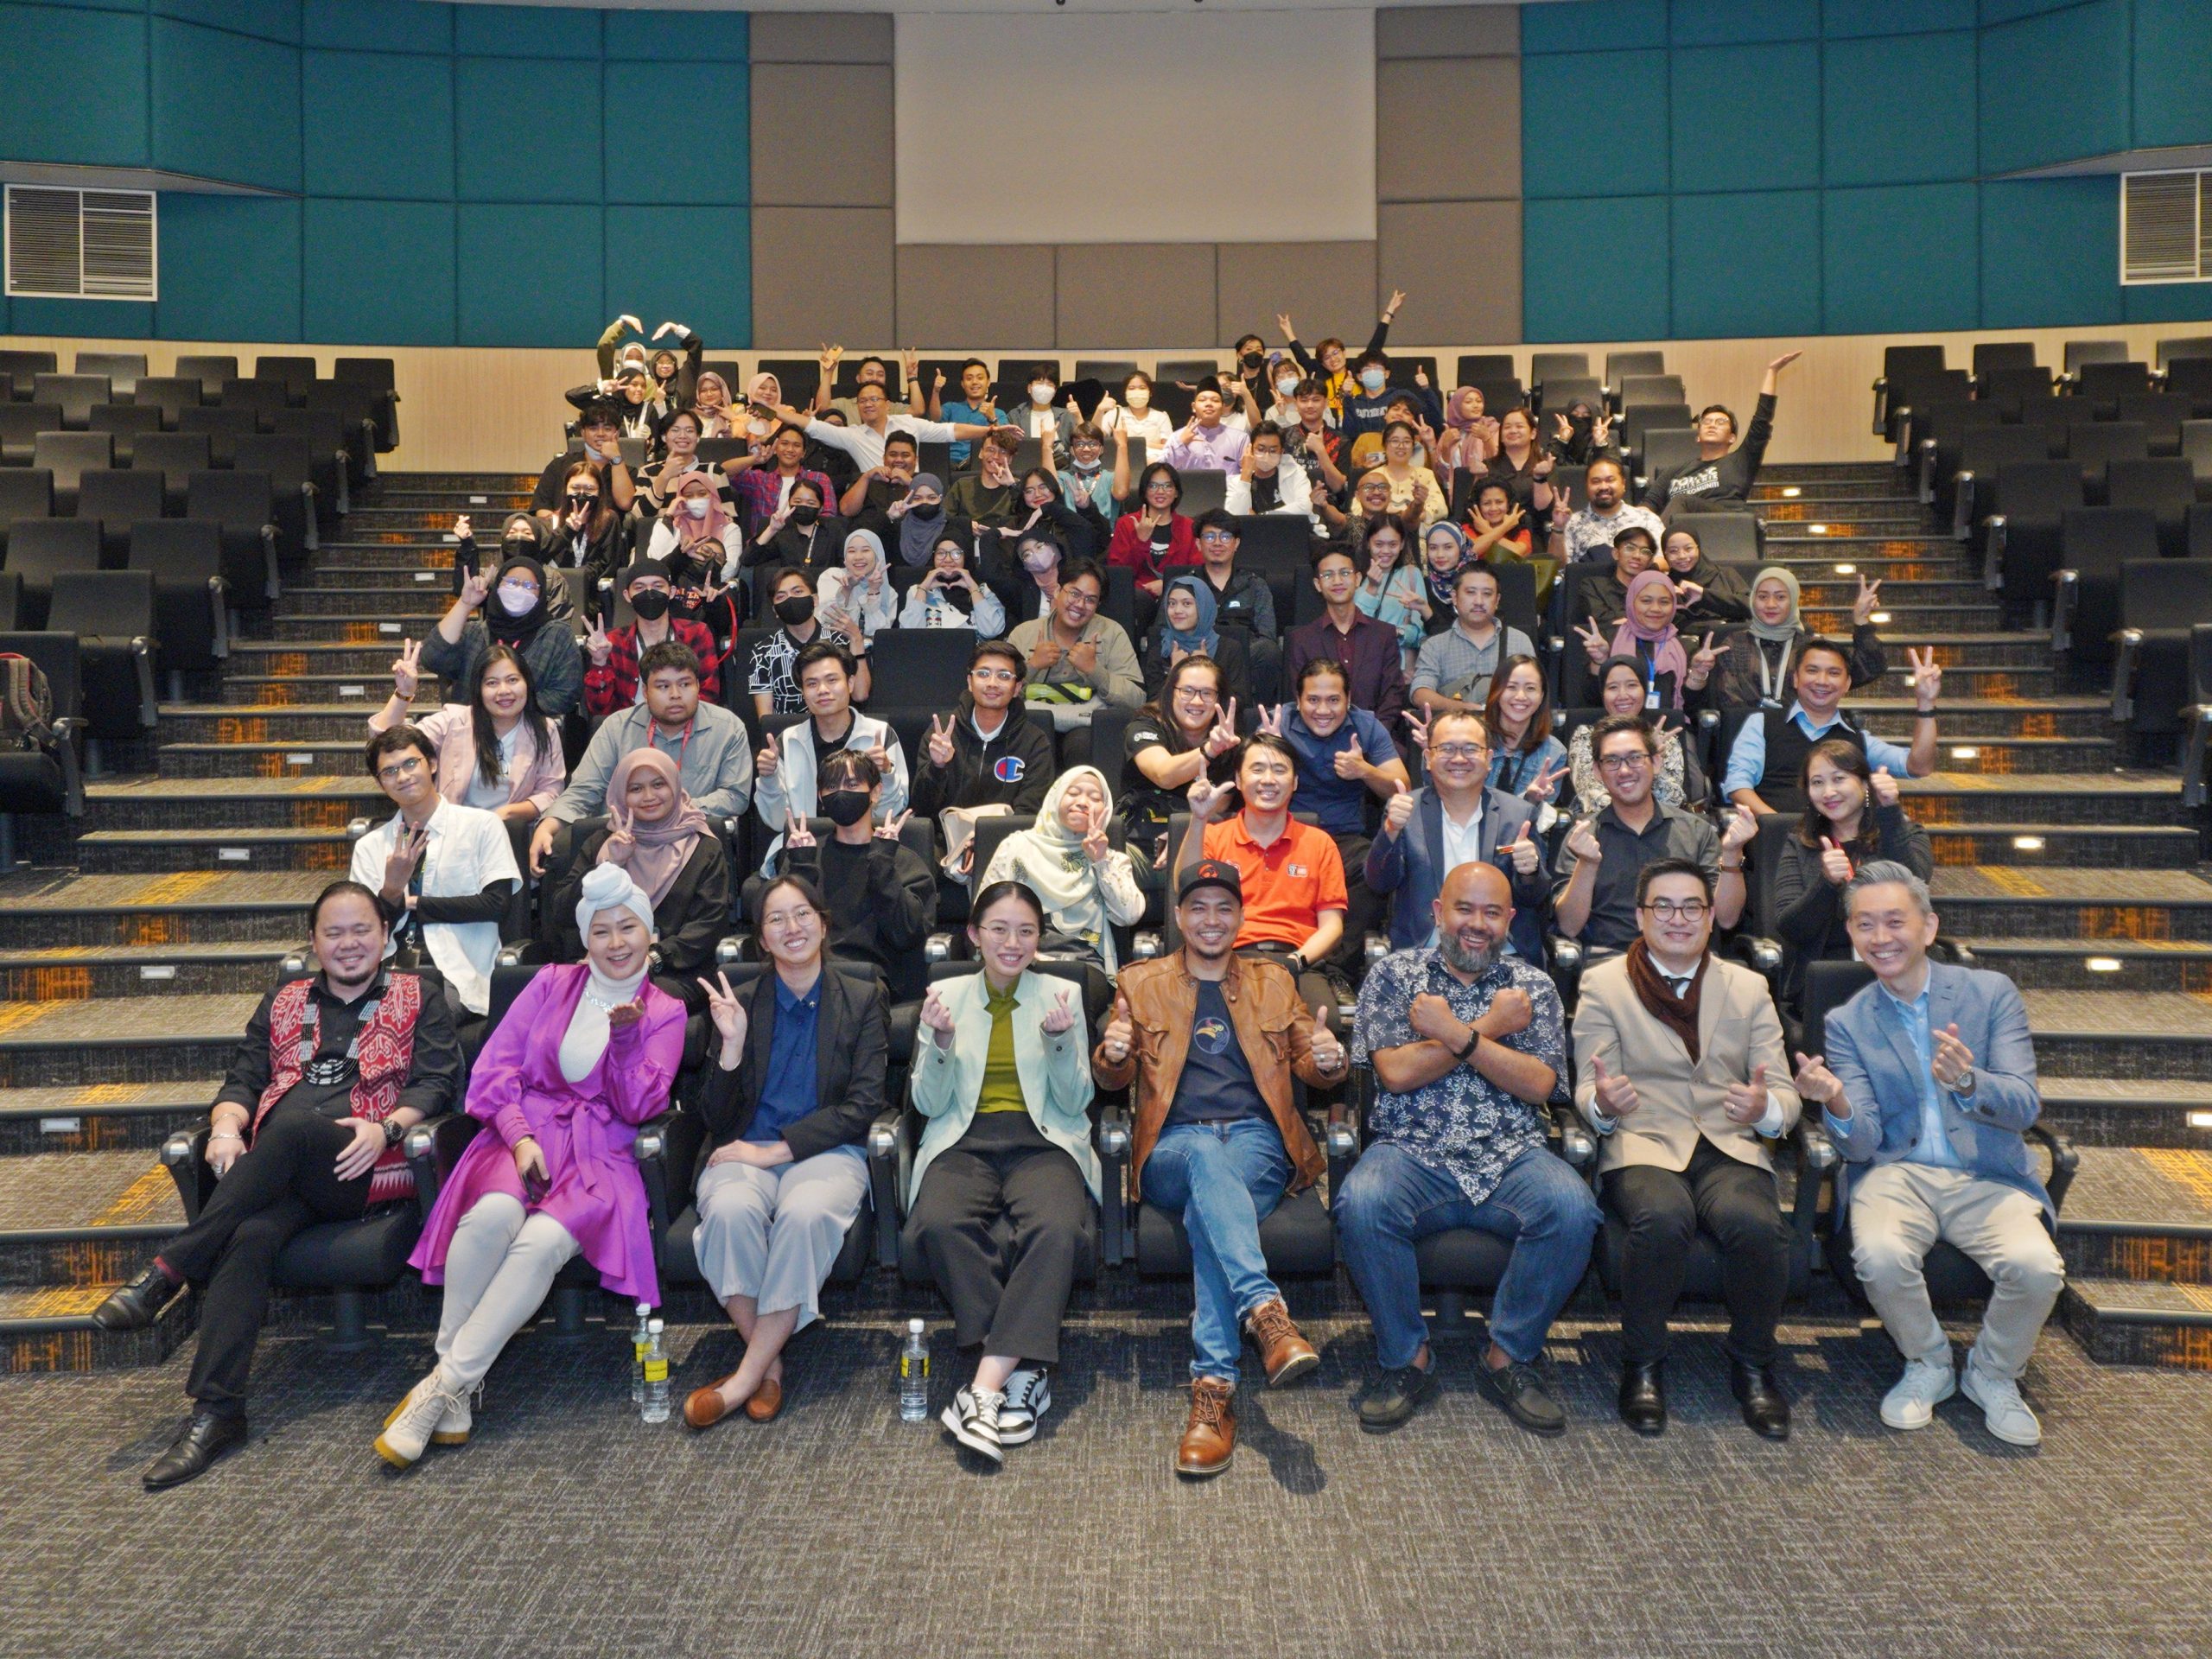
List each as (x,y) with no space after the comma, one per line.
(1460,264)
(1424,32)
(822,273)
(985,298)
(1477,101)
(821,37)
(1109,294)
(478,409)
(822,136)
(1327,286)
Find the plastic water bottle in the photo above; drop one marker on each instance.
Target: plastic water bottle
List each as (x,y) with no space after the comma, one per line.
(639,1339)
(914,1375)
(656,1401)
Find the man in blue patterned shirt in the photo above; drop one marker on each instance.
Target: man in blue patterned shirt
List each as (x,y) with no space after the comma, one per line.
(1467,1046)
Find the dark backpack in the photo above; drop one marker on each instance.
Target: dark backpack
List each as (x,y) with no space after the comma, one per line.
(26,703)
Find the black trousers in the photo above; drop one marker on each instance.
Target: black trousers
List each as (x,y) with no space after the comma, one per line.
(285,1184)
(1662,1210)
(1365,910)
(1004,1233)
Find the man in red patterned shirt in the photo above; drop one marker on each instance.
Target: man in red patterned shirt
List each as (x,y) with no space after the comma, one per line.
(611,679)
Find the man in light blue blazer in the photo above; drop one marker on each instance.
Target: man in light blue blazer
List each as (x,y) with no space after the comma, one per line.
(1418,846)
(1928,1085)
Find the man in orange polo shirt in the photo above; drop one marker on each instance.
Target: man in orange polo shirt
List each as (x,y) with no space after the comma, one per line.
(1293,876)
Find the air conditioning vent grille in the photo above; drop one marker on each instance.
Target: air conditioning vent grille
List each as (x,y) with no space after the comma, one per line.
(90,245)
(2166,227)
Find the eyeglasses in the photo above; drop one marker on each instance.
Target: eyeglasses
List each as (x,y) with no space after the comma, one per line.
(1217,537)
(994,676)
(1459,751)
(399,769)
(1078,598)
(1006,933)
(1619,763)
(1690,910)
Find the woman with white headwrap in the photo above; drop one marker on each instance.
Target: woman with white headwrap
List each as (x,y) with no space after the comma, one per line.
(584,1056)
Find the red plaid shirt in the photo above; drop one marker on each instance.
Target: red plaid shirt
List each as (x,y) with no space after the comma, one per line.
(760,487)
(611,686)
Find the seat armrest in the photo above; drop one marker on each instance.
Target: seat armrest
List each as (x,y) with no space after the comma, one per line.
(1992,553)
(1578,1141)
(729,950)
(2065,1161)
(1761,954)
(651,1151)
(1342,1142)
(1114,1197)
(1145,943)
(883,1184)
(297,963)
(1881,402)
(2063,602)
(524,953)
(1566,959)
(1901,414)
(2199,715)
(942,945)
(2124,663)
(72,771)
(1816,1155)
(142,660)
(184,1154)
(1927,453)
(219,602)
(434,1147)
(272,582)
(1961,505)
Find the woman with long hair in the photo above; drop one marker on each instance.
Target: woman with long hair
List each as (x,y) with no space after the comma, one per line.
(1525,759)
(1186,732)
(496,750)
(1852,817)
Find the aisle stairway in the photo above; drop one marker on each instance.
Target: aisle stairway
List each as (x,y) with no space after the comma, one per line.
(131,958)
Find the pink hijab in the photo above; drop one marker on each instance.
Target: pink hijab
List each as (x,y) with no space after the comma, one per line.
(1666,644)
(690,531)
(653,854)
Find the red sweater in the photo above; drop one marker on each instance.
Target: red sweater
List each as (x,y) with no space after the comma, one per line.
(1130,547)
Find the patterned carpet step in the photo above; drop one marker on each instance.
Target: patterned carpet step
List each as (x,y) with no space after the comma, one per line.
(2140,1212)
(2115,846)
(328,722)
(1946,798)
(2164,1112)
(121,852)
(1993,900)
(2128,965)
(2120,1034)
(337,756)
(42,909)
(1968,717)
(120,1039)
(315,802)
(103,1117)
(2006,756)
(78,1218)
(2141,1322)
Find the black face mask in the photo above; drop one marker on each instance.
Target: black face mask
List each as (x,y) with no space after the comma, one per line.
(795,609)
(584,503)
(1253,359)
(927,512)
(803,514)
(649,603)
(845,807)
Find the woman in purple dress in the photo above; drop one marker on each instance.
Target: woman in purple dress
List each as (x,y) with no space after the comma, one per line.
(585,1055)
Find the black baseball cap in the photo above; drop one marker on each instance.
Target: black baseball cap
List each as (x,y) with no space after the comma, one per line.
(1211,873)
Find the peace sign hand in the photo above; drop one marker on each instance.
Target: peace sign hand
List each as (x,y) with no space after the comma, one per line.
(1561,511)
(1566,428)
(1545,785)
(598,644)
(728,1015)
(889,828)
(1271,719)
(1593,640)
(797,832)
(406,673)
(1095,847)
(1927,678)
(1862,607)
(1222,738)
(1417,728)
(1061,1015)
(1702,664)
(940,739)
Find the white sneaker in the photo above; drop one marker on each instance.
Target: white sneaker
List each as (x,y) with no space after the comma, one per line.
(453,1428)
(1925,1385)
(973,1417)
(407,1430)
(2003,1412)
(1028,1397)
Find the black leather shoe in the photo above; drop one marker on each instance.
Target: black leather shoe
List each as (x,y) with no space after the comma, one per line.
(206,1438)
(1390,1397)
(1764,1406)
(1643,1396)
(1520,1394)
(132,1306)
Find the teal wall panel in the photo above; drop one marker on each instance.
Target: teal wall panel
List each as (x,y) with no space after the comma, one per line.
(230,268)
(2055,87)
(528,130)
(553,293)
(379,273)
(2169,302)
(1850,19)
(271,20)
(1746,264)
(1594,269)
(669,37)
(121,318)
(225,106)
(378,25)
(1898,110)
(1732,23)
(692,265)
(378,123)
(527,31)
(1901,256)
(2173,72)
(76,87)
(1747,117)
(2049,252)
(1593,25)
(1575,144)
(2004,11)
(714,161)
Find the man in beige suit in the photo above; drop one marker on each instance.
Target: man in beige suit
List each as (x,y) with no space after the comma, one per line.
(1681,1073)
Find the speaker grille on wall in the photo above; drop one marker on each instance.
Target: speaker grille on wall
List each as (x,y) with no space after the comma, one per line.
(2166,227)
(80,245)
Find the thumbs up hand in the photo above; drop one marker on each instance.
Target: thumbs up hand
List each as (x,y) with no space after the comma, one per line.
(1120,1032)
(1745,1103)
(1527,857)
(1328,1052)
(1398,811)
(1615,1096)
(1835,863)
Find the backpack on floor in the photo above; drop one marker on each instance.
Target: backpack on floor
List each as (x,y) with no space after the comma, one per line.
(26,703)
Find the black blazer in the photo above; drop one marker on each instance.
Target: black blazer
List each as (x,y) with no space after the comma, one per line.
(852,1054)
(691,917)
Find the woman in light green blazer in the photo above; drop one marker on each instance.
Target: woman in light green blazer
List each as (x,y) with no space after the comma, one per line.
(1005,1180)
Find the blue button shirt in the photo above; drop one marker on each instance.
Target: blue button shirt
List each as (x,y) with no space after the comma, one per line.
(789,1092)
(1934,1146)
(1338,804)
(1747,755)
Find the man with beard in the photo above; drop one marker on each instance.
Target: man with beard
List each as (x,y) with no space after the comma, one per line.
(1207,1041)
(1587,532)
(1467,1045)
(1681,1071)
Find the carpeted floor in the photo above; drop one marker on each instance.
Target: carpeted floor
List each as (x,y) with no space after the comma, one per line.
(568,1527)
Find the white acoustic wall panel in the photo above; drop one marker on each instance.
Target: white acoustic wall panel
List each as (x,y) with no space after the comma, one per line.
(1072,127)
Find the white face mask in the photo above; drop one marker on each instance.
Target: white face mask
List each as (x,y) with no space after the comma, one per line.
(1285,387)
(1373,379)
(1041,392)
(517,599)
(696,506)
(1137,397)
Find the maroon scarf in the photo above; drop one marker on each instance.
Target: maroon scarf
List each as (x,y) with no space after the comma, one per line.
(1677,1013)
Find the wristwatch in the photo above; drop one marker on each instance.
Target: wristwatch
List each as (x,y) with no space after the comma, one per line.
(1474,1042)
(394,1131)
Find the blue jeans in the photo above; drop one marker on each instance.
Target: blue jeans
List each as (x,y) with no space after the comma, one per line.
(1390,1200)
(1224,1179)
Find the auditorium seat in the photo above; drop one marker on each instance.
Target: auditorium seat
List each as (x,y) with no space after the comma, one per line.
(242,503)
(111,614)
(1638,389)
(2093,544)
(1632,433)
(1990,356)
(2021,552)
(120,369)
(222,426)
(75,395)
(190,602)
(209,372)
(1664,447)
(25,492)
(1203,490)
(2190,347)
(2100,386)
(378,375)
(1477,367)
(174,456)
(2160,602)
(1619,365)
(355,405)
(2094,446)
(19,372)
(263,397)
(2166,488)
(2011,388)
(2079,354)
(69,456)
(1983,454)
(2160,417)
(117,501)
(40,550)
(298,505)
(126,423)
(325,432)
(1894,391)
(1556,394)
(19,425)
(46,778)
(295,374)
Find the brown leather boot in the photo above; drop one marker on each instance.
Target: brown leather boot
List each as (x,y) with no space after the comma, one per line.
(1284,1354)
(1210,1435)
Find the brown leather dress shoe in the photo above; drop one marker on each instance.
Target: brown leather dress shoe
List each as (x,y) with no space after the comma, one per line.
(704,1408)
(767,1400)
(1284,1354)
(1210,1435)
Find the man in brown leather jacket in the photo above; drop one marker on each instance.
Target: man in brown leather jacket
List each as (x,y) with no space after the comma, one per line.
(1210,1040)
